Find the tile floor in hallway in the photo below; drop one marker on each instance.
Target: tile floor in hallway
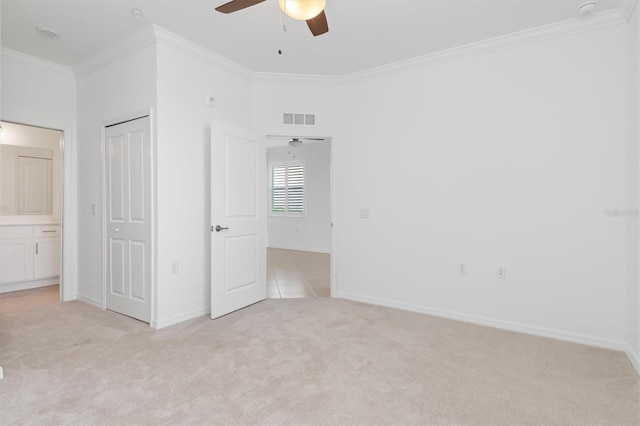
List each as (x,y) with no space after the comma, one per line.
(295,274)
(27,299)
(290,274)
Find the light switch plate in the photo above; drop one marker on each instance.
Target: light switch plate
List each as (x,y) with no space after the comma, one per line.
(501,273)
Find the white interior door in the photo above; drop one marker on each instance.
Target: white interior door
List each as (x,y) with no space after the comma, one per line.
(128,218)
(238,218)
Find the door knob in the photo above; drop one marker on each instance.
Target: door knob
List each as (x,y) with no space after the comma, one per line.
(220,228)
(117,230)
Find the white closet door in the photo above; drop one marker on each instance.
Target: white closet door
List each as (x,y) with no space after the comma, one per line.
(128,221)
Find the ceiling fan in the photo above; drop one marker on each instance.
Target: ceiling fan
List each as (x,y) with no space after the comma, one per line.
(294,142)
(311,11)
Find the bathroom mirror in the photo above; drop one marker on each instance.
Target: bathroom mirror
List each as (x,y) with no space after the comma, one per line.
(29,170)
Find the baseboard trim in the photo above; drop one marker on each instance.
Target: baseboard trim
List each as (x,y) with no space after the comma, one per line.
(28,285)
(489,322)
(89,300)
(176,319)
(634,359)
(311,249)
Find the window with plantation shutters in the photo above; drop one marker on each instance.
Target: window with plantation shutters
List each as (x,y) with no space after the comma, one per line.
(286,189)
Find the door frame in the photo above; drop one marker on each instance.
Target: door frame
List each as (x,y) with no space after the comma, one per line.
(153,179)
(333,195)
(64,213)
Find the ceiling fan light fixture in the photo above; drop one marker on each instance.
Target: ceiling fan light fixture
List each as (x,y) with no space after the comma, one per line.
(48,32)
(302,10)
(295,142)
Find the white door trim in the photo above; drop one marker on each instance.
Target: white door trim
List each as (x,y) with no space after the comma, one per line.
(152,152)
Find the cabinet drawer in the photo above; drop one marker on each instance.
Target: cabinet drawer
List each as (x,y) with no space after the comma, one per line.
(13,232)
(46,231)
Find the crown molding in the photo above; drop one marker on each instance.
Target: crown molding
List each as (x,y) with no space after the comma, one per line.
(115,52)
(546,32)
(153,34)
(172,41)
(626,8)
(28,60)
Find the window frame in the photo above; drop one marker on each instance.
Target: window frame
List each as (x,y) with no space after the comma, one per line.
(286,212)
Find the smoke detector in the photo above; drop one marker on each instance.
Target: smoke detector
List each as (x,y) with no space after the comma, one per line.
(587,8)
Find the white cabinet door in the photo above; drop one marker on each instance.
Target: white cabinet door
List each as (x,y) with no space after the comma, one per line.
(16,260)
(34,185)
(46,260)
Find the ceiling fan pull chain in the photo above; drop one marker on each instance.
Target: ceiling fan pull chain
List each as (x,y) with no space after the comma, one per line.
(283,28)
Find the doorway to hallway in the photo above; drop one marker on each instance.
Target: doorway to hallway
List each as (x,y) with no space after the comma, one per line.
(297,274)
(299,216)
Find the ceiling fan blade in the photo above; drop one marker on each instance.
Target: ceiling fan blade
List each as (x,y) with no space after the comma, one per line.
(313,139)
(236,5)
(318,25)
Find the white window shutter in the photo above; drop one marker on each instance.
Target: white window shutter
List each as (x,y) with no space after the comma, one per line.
(286,192)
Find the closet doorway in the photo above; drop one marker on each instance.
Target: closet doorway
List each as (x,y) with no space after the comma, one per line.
(31,207)
(299,224)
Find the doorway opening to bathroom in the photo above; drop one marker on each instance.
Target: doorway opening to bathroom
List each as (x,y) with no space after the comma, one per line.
(31,211)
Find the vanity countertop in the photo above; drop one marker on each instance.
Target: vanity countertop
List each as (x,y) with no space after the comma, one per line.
(30,224)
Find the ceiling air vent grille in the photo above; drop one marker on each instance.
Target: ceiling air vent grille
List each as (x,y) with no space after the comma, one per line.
(298,119)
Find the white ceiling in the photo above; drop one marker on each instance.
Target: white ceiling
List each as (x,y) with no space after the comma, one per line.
(363,33)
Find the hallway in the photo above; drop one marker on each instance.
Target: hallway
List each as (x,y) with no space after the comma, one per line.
(295,274)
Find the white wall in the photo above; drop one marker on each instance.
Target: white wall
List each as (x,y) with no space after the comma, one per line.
(313,231)
(42,93)
(633,296)
(121,89)
(186,77)
(503,159)
(273,95)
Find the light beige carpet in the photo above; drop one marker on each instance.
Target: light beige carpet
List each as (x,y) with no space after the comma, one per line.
(301,361)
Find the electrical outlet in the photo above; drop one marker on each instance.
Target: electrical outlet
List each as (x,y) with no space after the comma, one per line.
(364,213)
(501,273)
(462,268)
(175,267)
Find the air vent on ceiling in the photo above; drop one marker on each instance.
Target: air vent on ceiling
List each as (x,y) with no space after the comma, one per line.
(298,119)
